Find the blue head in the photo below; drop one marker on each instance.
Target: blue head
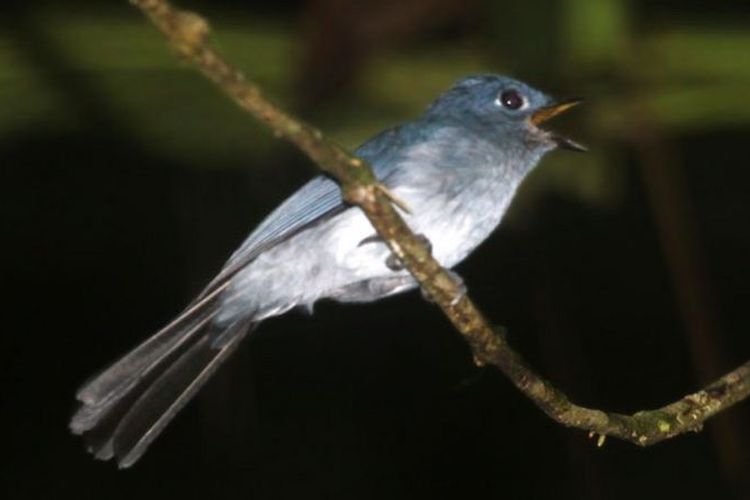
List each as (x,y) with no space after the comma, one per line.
(508,109)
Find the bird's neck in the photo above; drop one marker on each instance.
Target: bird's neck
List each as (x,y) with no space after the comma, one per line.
(479,152)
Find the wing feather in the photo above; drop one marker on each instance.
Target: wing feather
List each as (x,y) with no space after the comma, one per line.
(314,202)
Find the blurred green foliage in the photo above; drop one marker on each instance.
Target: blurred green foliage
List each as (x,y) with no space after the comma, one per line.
(689,76)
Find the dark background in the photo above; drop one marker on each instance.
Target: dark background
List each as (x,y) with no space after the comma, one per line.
(622,275)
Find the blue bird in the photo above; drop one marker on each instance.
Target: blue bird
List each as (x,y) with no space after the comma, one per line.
(457,168)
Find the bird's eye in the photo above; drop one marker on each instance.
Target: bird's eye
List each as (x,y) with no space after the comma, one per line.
(511,99)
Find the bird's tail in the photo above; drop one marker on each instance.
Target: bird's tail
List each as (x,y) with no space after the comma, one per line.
(125,407)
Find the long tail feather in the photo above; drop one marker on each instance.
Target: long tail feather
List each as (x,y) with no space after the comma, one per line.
(110,382)
(168,395)
(137,368)
(126,407)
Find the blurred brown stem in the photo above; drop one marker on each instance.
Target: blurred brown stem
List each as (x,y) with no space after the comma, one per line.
(188,33)
(677,234)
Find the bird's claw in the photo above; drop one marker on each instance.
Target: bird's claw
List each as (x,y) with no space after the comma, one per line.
(371,239)
(400,203)
(394,263)
(458,280)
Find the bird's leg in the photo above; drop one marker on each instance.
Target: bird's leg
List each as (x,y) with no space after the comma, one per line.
(394,263)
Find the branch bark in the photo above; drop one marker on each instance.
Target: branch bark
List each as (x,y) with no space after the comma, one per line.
(188,33)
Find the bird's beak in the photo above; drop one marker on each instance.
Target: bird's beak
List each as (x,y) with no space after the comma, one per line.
(546,113)
(543,114)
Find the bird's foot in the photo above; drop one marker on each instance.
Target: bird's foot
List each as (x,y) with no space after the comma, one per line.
(426,242)
(394,263)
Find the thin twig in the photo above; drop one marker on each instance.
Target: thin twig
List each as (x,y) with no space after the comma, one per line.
(188,33)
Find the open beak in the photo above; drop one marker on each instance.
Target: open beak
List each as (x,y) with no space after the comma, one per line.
(543,114)
(548,112)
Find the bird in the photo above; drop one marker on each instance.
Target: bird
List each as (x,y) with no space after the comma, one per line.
(457,168)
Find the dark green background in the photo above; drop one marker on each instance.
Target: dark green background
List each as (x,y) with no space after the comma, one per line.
(622,275)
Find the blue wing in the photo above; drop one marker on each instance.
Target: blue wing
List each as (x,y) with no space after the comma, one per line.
(314,202)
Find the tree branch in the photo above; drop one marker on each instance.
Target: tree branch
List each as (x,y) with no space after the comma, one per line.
(188,33)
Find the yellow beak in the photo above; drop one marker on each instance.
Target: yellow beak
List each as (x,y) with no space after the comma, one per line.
(542,115)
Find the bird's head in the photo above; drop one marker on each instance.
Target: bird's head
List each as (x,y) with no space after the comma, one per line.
(504,106)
